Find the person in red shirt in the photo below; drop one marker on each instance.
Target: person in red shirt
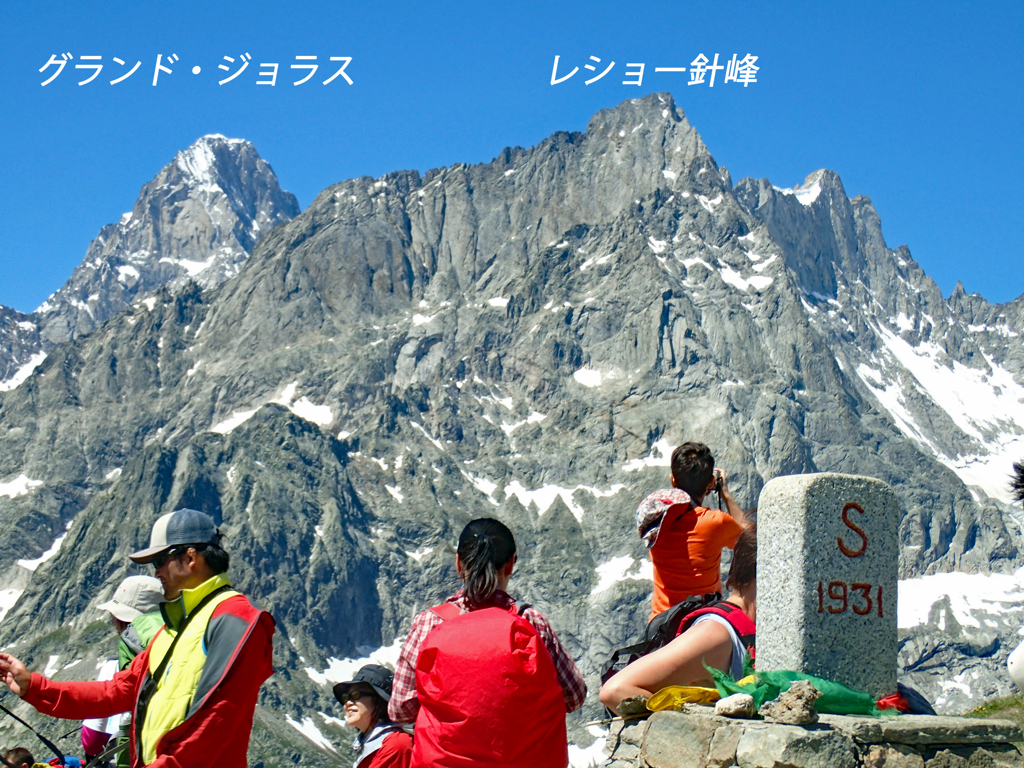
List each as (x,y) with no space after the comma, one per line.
(404,705)
(478,672)
(381,743)
(685,538)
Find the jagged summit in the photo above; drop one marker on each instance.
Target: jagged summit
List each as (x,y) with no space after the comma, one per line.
(198,219)
(211,157)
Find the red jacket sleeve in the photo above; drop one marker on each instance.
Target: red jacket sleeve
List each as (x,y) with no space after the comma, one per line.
(82,700)
(218,734)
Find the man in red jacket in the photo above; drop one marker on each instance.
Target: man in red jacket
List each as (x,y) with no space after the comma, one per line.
(193,691)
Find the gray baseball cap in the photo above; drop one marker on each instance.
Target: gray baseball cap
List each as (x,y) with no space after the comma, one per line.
(182,526)
(133,597)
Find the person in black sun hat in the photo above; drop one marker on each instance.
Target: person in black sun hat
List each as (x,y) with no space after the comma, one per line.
(380,743)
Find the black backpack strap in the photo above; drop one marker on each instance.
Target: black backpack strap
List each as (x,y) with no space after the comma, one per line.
(113,749)
(664,627)
(53,747)
(615,662)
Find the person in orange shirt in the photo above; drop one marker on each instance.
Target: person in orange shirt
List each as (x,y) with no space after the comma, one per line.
(686,539)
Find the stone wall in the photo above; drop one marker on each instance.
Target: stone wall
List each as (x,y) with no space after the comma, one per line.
(699,739)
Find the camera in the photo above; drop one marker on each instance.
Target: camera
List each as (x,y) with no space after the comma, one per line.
(718,481)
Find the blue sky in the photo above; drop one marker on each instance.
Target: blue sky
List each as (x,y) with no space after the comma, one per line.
(916,105)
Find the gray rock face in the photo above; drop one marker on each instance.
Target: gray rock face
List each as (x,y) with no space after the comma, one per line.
(198,219)
(525,339)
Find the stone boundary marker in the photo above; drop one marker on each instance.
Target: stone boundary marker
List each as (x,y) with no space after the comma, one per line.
(699,739)
(828,558)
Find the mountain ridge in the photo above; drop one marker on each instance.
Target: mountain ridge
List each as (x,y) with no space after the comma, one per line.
(524,338)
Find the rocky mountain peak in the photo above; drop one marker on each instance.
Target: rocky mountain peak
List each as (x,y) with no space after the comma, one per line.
(210,157)
(198,219)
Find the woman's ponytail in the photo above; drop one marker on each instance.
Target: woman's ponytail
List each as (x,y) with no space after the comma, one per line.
(485,547)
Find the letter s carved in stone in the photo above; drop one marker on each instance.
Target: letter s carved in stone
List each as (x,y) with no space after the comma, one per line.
(856,529)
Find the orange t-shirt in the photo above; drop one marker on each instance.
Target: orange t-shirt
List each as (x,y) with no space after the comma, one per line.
(687,556)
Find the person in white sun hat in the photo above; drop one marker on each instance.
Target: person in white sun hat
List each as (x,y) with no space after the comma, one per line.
(135,613)
(192,692)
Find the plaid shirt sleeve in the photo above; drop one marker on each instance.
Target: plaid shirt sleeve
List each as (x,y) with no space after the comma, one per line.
(573,686)
(404,704)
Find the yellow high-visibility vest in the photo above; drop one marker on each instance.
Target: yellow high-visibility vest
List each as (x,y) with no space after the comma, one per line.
(169,705)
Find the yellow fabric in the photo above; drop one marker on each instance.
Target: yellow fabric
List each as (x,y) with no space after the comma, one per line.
(674,696)
(173,696)
(748,680)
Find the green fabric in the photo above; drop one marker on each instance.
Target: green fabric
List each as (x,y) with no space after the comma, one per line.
(761,692)
(145,626)
(836,699)
(122,757)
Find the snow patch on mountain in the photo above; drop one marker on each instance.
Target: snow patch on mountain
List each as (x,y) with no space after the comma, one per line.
(757,282)
(986,405)
(660,456)
(339,670)
(31,565)
(23,372)
(8,597)
(592,377)
(973,597)
(193,268)
(592,756)
(308,729)
(304,408)
(533,418)
(19,486)
(419,554)
(805,195)
(545,496)
(198,161)
(482,484)
(620,569)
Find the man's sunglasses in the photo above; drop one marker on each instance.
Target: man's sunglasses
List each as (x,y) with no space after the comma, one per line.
(161,559)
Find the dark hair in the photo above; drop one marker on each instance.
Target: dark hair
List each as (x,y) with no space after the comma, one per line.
(743,570)
(693,466)
(380,710)
(215,557)
(1018,481)
(19,755)
(485,547)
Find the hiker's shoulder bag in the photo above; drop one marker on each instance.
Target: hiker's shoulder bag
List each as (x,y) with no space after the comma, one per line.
(660,631)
